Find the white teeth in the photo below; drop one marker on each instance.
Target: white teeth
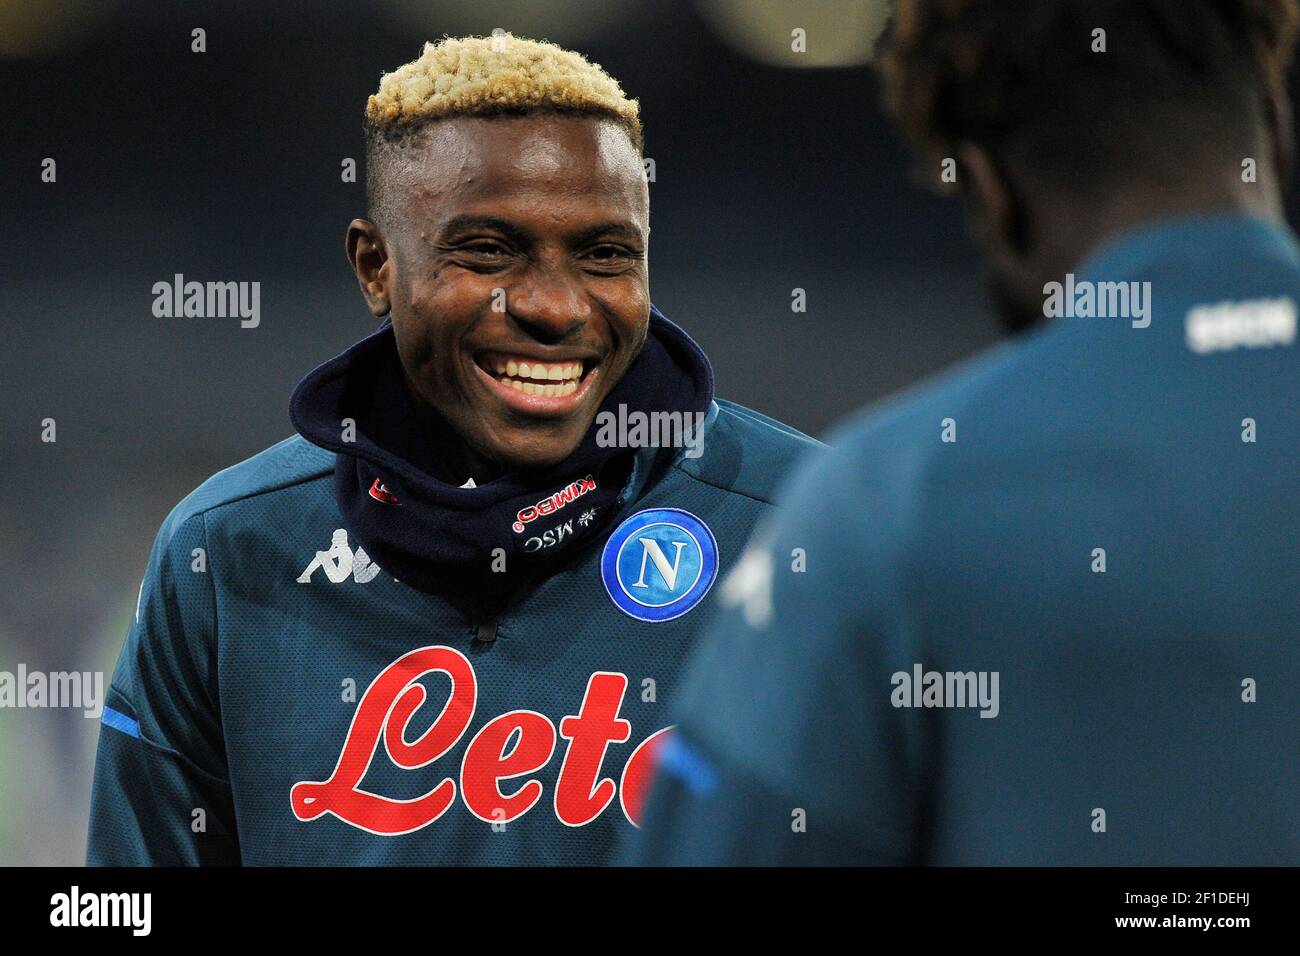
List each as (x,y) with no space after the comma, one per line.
(540,371)
(547,380)
(536,388)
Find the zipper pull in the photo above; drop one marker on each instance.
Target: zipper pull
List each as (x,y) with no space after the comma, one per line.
(486,616)
(486,632)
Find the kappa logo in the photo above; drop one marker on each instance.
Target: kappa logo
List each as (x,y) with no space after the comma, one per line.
(340,561)
(659,563)
(749,585)
(553,503)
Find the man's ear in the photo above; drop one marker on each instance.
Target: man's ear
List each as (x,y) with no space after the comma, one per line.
(1277,110)
(369,258)
(994,210)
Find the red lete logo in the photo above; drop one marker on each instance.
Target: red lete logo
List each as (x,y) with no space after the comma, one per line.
(581,795)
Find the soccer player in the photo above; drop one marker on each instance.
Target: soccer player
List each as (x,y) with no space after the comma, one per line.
(440,625)
(1044,610)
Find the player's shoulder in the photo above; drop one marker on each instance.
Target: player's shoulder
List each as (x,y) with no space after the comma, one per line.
(905,432)
(745,452)
(883,460)
(287,464)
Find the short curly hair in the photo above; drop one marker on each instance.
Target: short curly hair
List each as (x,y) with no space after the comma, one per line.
(500,75)
(1021,76)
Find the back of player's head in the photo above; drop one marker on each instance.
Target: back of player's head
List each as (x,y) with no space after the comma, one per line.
(1082,93)
(485,77)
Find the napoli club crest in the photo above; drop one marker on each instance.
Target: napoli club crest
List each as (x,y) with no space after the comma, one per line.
(659,563)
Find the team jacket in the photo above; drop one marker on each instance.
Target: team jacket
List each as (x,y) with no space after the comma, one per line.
(1042,612)
(282,699)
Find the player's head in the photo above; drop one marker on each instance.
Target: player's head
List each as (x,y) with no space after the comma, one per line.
(508,227)
(1071,120)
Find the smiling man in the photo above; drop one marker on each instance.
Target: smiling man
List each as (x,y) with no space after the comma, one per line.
(441,624)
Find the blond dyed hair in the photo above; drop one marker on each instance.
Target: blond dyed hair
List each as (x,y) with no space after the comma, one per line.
(500,75)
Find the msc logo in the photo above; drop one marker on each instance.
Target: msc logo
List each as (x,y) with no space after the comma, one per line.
(658,564)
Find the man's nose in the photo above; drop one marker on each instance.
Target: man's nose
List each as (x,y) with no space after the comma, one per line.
(549,302)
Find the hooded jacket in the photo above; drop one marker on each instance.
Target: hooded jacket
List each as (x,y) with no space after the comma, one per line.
(339,658)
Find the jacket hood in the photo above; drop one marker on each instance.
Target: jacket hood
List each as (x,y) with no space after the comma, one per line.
(671,373)
(397,495)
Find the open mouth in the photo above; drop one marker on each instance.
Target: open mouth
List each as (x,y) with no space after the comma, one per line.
(536,384)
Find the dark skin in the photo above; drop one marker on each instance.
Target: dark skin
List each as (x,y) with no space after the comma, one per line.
(515,237)
(1032,233)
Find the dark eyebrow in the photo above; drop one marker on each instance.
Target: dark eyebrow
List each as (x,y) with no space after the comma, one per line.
(616,230)
(522,237)
(516,234)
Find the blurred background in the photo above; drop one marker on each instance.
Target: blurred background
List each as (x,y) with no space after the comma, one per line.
(774,171)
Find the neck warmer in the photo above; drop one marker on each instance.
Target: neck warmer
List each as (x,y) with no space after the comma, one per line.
(400,502)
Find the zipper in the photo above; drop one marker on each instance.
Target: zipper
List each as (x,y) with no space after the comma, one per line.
(486,617)
(486,631)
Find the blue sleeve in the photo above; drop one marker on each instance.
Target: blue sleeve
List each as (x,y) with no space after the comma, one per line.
(787,748)
(161,794)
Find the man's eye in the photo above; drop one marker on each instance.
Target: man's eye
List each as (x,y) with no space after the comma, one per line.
(485,249)
(607,252)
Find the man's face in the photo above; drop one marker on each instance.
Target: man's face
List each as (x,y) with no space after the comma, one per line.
(517,277)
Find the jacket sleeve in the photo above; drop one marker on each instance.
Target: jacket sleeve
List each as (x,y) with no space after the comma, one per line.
(161,794)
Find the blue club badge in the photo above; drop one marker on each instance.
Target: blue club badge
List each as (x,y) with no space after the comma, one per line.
(659,563)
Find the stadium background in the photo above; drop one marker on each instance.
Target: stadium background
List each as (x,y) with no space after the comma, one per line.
(774,171)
